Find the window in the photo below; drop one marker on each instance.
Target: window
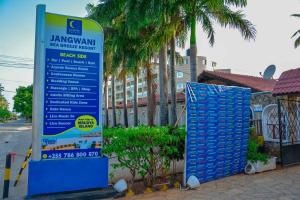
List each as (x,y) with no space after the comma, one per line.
(186,61)
(213,64)
(179,74)
(118,96)
(129,94)
(179,86)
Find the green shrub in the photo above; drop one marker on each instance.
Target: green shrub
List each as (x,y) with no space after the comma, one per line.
(252,131)
(144,150)
(253,155)
(179,142)
(4,114)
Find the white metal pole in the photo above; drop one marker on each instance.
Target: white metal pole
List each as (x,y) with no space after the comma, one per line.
(38,82)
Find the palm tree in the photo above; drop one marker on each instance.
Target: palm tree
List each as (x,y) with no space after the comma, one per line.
(159,17)
(180,32)
(139,56)
(106,120)
(135,98)
(125,111)
(107,68)
(109,15)
(163,86)
(174,58)
(113,101)
(173,82)
(152,29)
(119,63)
(296,34)
(208,11)
(151,108)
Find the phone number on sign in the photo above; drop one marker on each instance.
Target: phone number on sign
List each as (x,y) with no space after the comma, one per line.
(71,155)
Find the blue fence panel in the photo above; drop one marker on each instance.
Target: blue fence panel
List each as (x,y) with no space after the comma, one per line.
(218,120)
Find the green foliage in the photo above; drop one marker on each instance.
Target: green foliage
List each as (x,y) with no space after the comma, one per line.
(143,150)
(179,142)
(253,155)
(3,102)
(23,101)
(252,132)
(4,114)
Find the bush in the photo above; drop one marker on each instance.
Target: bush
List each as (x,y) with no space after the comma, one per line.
(252,132)
(146,151)
(253,155)
(4,114)
(179,142)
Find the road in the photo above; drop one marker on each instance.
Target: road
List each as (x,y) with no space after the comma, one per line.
(15,136)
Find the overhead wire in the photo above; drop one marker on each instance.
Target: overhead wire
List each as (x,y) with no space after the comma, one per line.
(15,62)
(16,67)
(15,57)
(15,81)
(9,91)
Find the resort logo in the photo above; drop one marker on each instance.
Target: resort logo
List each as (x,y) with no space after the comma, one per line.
(74,27)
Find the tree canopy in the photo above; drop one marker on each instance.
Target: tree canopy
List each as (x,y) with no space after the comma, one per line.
(23,101)
(4,112)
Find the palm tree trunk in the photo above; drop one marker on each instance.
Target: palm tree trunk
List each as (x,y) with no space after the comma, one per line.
(125,113)
(106,121)
(150,92)
(113,101)
(135,99)
(193,51)
(173,82)
(163,86)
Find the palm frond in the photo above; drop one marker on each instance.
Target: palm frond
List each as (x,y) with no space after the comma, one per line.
(237,3)
(234,19)
(297,32)
(295,15)
(297,42)
(207,28)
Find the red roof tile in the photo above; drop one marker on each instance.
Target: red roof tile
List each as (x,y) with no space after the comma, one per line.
(288,82)
(253,82)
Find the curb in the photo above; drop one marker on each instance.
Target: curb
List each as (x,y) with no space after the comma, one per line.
(78,195)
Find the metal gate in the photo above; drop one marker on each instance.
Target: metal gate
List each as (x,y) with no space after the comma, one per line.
(289,131)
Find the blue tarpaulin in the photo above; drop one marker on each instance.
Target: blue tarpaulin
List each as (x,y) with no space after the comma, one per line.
(218,119)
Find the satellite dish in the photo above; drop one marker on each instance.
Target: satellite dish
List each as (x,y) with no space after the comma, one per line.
(269,72)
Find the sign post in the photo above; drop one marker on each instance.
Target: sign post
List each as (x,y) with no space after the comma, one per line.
(67,119)
(39,73)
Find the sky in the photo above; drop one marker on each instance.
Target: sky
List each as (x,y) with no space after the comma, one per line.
(273,43)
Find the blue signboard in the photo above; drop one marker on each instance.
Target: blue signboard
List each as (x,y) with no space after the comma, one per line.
(67,105)
(72,88)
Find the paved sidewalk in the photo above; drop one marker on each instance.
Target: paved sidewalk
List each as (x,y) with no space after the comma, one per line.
(282,184)
(15,136)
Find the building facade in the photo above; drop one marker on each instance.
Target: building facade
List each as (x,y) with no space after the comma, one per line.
(182,75)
